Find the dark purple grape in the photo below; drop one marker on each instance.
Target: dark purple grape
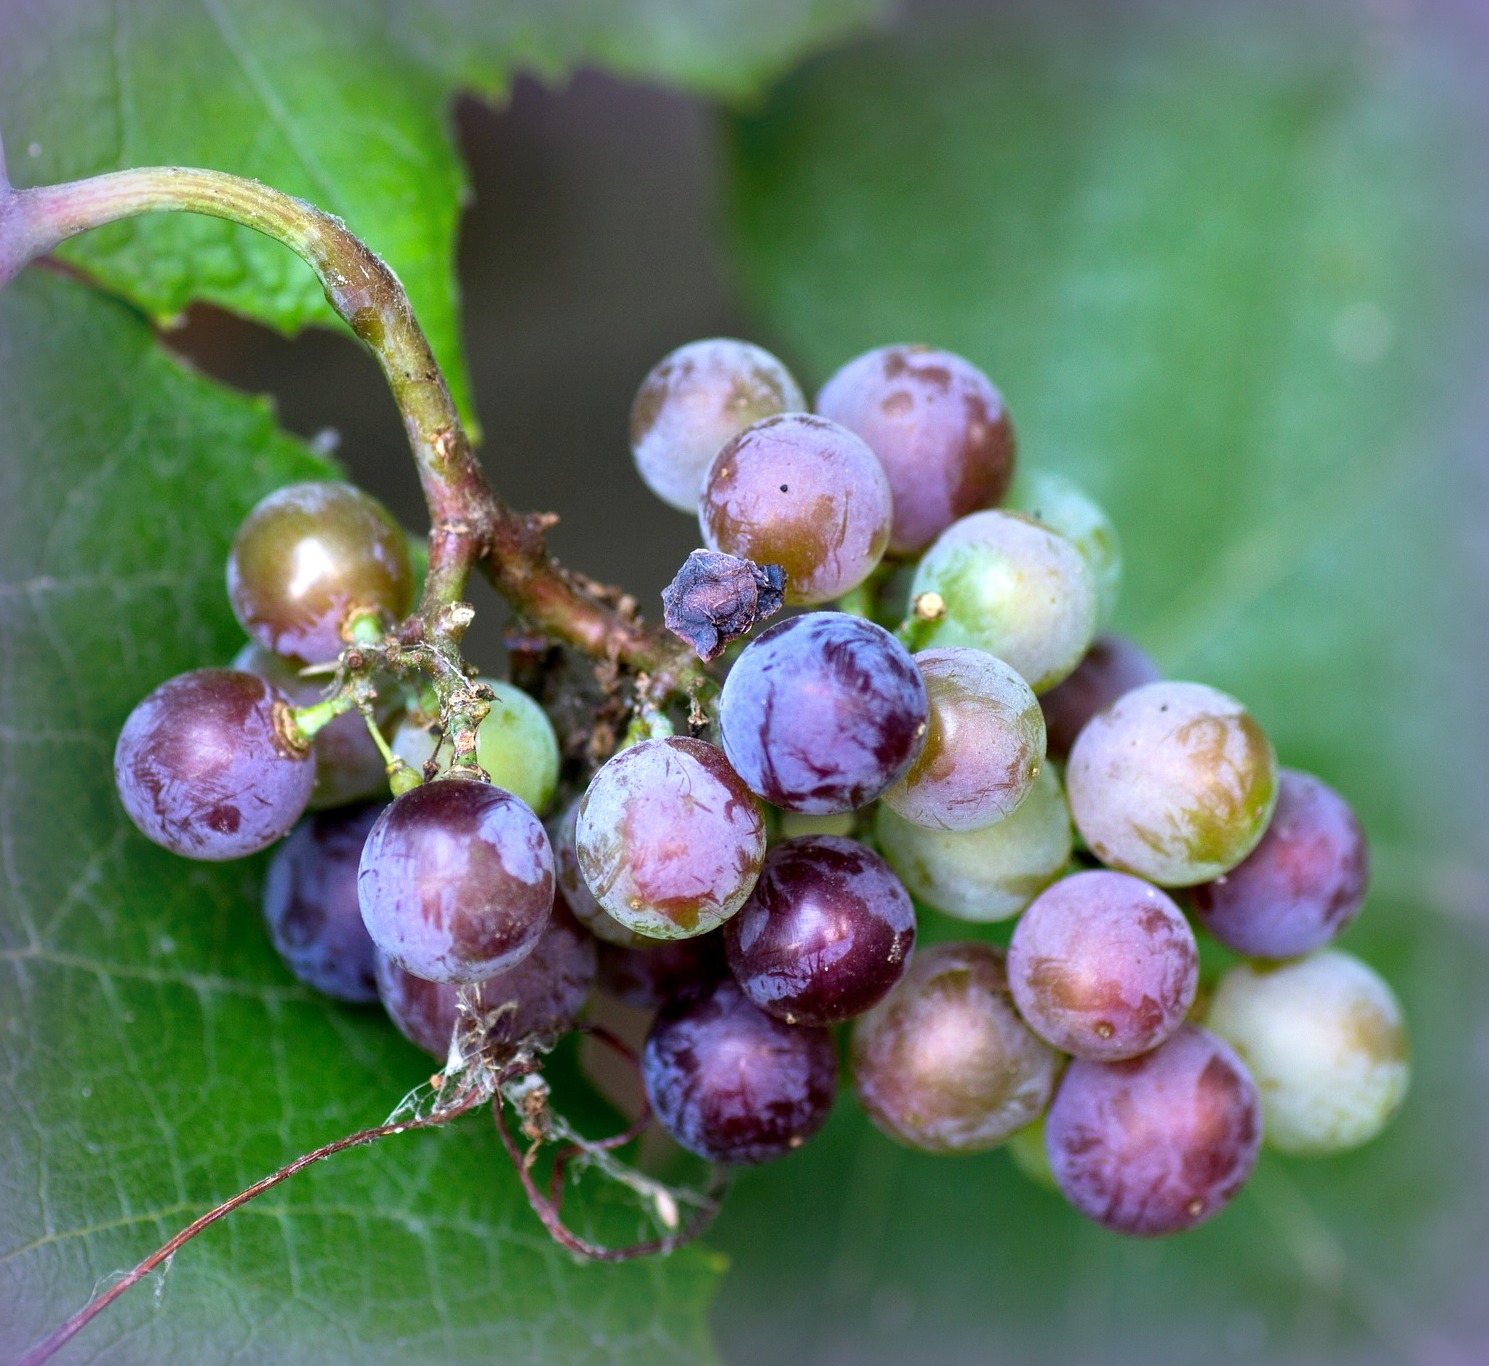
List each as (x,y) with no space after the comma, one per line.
(575,890)
(823,713)
(803,493)
(310,903)
(1156,1144)
(543,994)
(1112,666)
(1302,885)
(669,840)
(307,557)
(826,933)
(210,766)
(1103,966)
(733,1084)
(348,765)
(456,881)
(944,1063)
(939,429)
(651,976)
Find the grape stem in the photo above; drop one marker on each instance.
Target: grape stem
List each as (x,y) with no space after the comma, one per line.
(470,524)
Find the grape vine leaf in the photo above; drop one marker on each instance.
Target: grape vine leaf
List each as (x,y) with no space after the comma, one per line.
(1228,265)
(155,1057)
(341,102)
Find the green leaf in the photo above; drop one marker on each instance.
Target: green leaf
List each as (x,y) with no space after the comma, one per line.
(340,102)
(1228,266)
(155,1057)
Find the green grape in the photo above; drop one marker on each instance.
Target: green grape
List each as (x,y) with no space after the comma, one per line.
(1063,506)
(1030,1156)
(515,744)
(987,874)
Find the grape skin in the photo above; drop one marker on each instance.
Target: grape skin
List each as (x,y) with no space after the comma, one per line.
(1063,506)
(650,977)
(1011,586)
(205,766)
(987,874)
(1159,1143)
(937,425)
(1325,1039)
(456,881)
(515,744)
(1111,667)
(669,840)
(311,907)
(826,933)
(944,1063)
(308,555)
(543,994)
(984,745)
(803,493)
(822,713)
(587,911)
(1103,966)
(1301,886)
(693,401)
(1174,782)
(733,1084)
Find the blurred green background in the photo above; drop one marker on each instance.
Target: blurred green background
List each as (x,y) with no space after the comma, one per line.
(1230,266)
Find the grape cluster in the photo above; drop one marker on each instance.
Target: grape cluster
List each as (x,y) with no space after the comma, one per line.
(948,732)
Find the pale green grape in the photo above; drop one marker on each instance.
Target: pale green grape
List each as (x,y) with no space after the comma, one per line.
(1063,506)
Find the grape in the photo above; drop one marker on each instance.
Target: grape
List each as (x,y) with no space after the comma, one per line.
(693,401)
(944,1063)
(1063,506)
(939,429)
(826,933)
(1325,1040)
(348,765)
(1030,1156)
(1112,666)
(987,874)
(209,765)
(668,839)
(650,977)
(587,911)
(803,493)
(1103,966)
(456,881)
(307,557)
(1302,885)
(983,749)
(1005,584)
(1174,782)
(310,903)
(733,1084)
(515,744)
(543,994)
(823,712)
(1156,1144)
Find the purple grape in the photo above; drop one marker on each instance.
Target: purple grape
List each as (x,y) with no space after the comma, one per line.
(348,765)
(826,933)
(733,1084)
(944,1063)
(668,838)
(983,750)
(1156,1144)
(1103,966)
(544,993)
(1301,886)
(803,493)
(693,401)
(650,977)
(1112,666)
(939,429)
(310,903)
(209,765)
(456,881)
(309,556)
(823,713)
